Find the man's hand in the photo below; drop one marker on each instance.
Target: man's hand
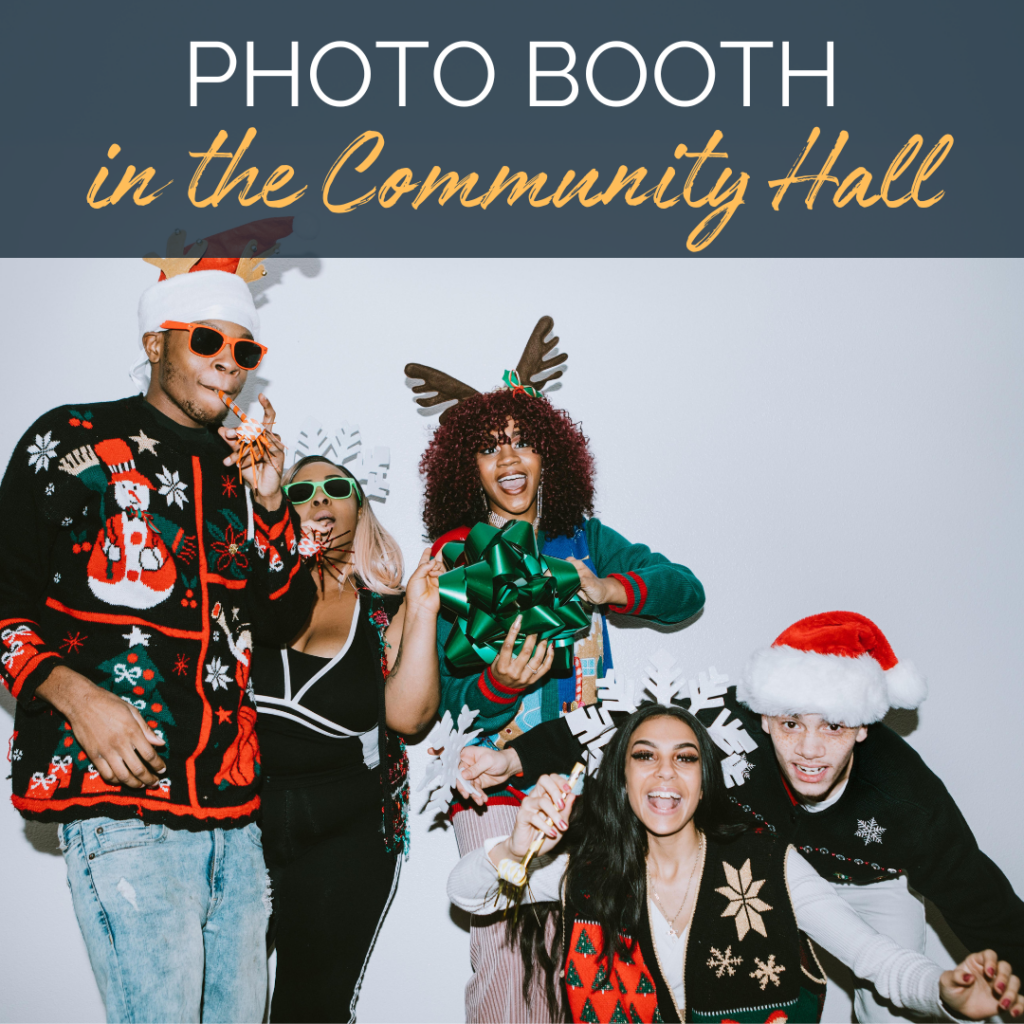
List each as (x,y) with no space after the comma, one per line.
(110,731)
(482,767)
(268,472)
(982,986)
(598,589)
(532,664)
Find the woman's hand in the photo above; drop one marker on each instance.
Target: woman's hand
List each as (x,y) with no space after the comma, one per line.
(982,986)
(545,810)
(422,593)
(531,665)
(481,767)
(598,589)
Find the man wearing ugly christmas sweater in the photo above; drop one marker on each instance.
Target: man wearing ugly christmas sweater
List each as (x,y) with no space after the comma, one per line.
(139,570)
(855,799)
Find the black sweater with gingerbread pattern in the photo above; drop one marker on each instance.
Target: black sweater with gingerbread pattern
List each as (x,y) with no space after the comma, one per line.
(134,556)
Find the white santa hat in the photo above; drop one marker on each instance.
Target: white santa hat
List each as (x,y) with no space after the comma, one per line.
(197,295)
(838,665)
(209,284)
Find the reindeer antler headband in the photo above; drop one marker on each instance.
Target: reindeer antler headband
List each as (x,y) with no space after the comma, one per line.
(533,363)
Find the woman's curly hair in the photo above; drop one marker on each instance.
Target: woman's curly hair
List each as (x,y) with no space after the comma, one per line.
(453,495)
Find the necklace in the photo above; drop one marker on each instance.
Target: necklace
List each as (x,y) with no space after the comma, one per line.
(661,904)
(499,521)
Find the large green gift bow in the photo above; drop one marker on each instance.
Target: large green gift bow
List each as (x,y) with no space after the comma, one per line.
(505,575)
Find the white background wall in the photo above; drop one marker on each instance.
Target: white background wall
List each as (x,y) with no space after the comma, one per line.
(805,435)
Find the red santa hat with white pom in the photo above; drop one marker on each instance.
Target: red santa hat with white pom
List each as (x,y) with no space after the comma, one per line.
(838,665)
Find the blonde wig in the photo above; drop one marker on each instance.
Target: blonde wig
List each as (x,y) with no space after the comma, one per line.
(376,556)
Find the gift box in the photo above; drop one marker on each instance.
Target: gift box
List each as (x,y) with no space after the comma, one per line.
(61,768)
(93,783)
(41,787)
(497,574)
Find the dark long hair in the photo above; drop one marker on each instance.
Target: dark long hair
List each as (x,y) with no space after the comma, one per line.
(607,847)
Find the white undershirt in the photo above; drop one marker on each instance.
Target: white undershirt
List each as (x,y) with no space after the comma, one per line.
(832,798)
(903,976)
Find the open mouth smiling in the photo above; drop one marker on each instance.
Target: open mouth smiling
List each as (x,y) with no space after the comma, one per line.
(664,801)
(810,773)
(512,483)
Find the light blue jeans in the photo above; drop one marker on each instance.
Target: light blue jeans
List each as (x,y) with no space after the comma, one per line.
(175,921)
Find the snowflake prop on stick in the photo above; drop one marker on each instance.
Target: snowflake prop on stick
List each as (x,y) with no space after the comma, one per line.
(254,442)
(443,770)
(344,447)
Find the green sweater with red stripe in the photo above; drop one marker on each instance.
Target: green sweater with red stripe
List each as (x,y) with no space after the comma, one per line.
(134,556)
(656,590)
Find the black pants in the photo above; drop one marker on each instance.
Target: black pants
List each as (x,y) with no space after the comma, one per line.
(332,882)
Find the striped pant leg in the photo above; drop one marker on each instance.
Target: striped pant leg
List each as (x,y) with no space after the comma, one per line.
(494,994)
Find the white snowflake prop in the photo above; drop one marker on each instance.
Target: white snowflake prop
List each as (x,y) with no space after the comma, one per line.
(594,728)
(617,693)
(731,736)
(870,831)
(344,446)
(736,769)
(443,768)
(664,678)
(40,453)
(707,690)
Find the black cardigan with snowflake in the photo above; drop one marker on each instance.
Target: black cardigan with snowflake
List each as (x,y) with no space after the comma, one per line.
(895,817)
(134,556)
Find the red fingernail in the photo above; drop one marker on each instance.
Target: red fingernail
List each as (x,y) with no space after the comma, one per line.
(1001,987)
(1005,1004)
(563,824)
(1016,1013)
(990,971)
(968,979)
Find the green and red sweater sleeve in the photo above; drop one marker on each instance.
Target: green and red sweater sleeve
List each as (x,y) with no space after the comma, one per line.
(34,501)
(479,691)
(656,589)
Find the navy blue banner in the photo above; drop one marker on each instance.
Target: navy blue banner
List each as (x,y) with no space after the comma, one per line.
(650,128)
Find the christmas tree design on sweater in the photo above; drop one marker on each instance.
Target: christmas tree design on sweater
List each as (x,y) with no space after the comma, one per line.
(134,678)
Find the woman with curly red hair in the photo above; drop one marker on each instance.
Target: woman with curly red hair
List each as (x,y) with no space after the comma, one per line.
(510,455)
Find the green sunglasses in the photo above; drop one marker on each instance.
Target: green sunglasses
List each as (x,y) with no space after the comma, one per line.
(298,492)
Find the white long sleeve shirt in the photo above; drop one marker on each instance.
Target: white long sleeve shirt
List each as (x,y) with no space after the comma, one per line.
(903,976)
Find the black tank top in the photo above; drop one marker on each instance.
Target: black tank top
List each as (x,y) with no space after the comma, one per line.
(318,714)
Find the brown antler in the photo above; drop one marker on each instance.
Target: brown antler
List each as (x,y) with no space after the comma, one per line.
(250,266)
(447,387)
(534,360)
(174,261)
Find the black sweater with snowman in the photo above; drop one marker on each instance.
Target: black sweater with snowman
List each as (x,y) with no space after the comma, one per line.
(134,556)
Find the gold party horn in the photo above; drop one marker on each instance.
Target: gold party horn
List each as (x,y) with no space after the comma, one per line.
(515,873)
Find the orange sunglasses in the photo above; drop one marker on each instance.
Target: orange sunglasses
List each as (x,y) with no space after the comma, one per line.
(208,341)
